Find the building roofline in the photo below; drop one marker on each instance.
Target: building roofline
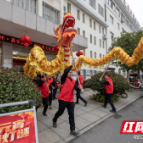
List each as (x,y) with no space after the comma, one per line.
(87,9)
(119,3)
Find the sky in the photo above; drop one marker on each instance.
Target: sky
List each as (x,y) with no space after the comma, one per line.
(137,8)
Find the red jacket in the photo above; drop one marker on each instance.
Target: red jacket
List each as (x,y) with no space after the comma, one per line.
(67,91)
(81,80)
(109,88)
(50,81)
(44,90)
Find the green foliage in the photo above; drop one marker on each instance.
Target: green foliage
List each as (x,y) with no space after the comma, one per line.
(101,98)
(128,42)
(15,87)
(120,84)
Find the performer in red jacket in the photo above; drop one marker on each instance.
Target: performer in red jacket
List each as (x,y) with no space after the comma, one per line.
(109,92)
(43,87)
(79,90)
(66,98)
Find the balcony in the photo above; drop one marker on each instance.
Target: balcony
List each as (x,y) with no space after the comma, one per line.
(16,22)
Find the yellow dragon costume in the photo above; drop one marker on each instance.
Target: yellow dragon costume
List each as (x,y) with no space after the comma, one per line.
(37,61)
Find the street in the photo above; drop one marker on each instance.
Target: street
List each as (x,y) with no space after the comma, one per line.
(109,130)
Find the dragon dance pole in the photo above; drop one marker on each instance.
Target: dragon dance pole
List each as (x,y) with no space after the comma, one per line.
(75,67)
(106,69)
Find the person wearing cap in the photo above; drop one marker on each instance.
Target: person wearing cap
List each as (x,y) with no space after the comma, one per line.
(66,98)
(108,83)
(78,96)
(44,88)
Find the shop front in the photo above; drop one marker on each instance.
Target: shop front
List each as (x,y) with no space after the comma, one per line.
(13,54)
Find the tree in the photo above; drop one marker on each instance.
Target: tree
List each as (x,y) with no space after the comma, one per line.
(128,42)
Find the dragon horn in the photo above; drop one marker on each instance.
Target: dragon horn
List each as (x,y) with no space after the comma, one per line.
(55,32)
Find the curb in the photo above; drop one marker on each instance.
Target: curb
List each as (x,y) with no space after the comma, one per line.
(70,138)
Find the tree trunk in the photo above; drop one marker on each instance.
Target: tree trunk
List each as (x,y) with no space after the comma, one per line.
(128,75)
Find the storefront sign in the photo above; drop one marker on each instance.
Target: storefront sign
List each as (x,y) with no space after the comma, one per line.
(14,40)
(18,128)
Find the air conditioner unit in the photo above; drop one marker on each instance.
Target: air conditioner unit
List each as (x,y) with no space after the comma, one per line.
(104,37)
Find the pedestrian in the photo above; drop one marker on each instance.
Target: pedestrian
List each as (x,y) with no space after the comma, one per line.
(108,83)
(50,83)
(78,96)
(55,85)
(43,87)
(66,98)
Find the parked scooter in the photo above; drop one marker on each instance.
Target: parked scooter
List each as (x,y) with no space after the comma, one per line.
(137,85)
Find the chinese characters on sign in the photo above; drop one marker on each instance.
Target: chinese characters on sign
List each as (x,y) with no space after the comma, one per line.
(17,41)
(17,128)
(132,127)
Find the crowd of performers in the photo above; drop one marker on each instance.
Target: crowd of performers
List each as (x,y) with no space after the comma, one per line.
(48,86)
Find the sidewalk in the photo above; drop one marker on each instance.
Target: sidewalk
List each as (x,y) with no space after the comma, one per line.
(85,117)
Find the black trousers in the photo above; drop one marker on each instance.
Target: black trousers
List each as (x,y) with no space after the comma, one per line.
(50,97)
(45,103)
(70,108)
(108,98)
(54,93)
(78,96)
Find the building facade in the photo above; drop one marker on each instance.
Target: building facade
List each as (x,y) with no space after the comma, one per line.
(97,23)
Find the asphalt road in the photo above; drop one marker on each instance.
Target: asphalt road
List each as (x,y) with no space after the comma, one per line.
(109,130)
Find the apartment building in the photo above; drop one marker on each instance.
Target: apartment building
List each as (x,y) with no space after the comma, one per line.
(97,23)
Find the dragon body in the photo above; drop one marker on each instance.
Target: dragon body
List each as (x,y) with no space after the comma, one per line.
(64,34)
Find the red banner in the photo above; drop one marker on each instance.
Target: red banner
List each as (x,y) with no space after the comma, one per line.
(132,127)
(18,128)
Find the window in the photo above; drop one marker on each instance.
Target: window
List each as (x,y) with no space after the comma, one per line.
(90,54)
(83,33)
(94,25)
(51,14)
(94,54)
(69,8)
(83,18)
(90,22)
(118,25)
(100,10)
(78,14)
(117,11)
(122,18)
(100,56)
(112,36)
(99,42)
(90,38)
(99,28)
(123,29)
(78,31)
(29,5)
(127,22)
(94,40)
(111,4)
(102,31)
(111,20)
(103,44)
(92,3)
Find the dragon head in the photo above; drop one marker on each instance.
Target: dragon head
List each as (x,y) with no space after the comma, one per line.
(66,32)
